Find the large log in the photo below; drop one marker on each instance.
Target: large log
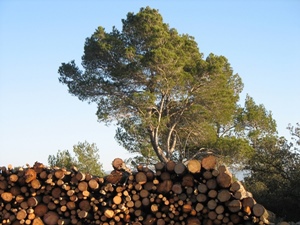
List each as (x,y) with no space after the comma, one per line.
(209,162)
(224,195)
(194,166)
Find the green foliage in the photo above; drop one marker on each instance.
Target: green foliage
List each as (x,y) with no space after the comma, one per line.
(254,121)
(86,159)
(236,140)
(274,177)
(62,159)
(155,83)
(234,150)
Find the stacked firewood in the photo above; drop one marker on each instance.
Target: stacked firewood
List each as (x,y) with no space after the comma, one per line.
(194,193)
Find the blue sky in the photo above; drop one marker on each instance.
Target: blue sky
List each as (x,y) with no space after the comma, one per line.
(38,117)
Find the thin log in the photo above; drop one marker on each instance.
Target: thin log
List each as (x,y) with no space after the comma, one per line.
(7,196)
(35,184)
(21,214)
(30,175)
(82,186)
(207,175)
(37,221)
(202,188)
(211,204)
(211,184)
(170,165)
(188,180)
(141,178)
(13,178)
(108,213)
(177,188)
(159,166)
(180,169)
(117,164)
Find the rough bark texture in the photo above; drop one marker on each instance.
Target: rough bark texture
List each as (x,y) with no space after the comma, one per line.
(192,194)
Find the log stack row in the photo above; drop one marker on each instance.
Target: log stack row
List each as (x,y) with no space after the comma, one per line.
(195,193)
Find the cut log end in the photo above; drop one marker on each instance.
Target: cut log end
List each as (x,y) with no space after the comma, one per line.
(194,166)
(117,163)
(209,162)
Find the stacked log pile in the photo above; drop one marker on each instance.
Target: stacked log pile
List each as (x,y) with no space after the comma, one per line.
(175,193)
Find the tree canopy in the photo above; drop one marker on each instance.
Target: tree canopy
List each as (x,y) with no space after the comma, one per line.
(156,84)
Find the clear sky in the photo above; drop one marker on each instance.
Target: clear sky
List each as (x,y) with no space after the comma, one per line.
(38,117)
